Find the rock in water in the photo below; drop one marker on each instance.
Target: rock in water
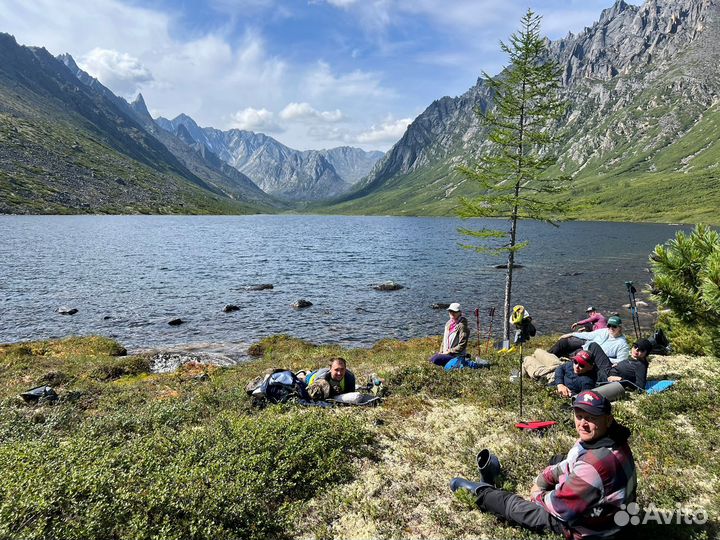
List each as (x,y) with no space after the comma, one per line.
(387,286)
(230,307)
(67,311)
(440,305)
(260,287)
(301,304)
(175,322)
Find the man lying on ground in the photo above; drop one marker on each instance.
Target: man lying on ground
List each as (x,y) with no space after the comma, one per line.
(611,340)
(578,496)
(595,321)
(635,368)
(330,381)
(573,377)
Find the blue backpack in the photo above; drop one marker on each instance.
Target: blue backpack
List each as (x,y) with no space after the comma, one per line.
(280,386)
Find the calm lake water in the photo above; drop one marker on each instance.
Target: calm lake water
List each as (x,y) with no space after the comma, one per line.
(142,271)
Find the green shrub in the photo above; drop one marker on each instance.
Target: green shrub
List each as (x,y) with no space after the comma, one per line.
(686,279)
(114,368)
(233,477)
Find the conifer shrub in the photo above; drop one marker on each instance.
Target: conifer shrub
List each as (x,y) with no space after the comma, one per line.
(686,279)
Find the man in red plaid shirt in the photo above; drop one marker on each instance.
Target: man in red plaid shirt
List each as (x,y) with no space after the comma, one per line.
(579,495)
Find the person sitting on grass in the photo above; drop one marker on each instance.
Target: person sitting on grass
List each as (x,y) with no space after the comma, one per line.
(611,340)
(579,495)
(455,337)
(594,321)
(633,370)
(573,377)
(330,381)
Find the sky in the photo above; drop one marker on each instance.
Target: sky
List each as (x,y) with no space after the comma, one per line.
(311,73)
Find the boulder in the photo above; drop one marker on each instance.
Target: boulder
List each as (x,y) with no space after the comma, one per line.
(302,304)
(440,305)
(260,287)
(175,322)
(505,265)
(230,308)
(67,311)
(387,286)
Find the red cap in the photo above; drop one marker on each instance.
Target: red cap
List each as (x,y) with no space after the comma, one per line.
(584,358)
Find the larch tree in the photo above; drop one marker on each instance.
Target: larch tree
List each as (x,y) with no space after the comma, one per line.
(512,172)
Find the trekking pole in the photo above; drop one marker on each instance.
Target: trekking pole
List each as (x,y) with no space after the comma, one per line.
(491,314)
(633,308)
(521,381)
(477,319)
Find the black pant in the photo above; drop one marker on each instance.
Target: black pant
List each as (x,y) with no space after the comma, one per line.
(601,360)
(566,346)
(515,509)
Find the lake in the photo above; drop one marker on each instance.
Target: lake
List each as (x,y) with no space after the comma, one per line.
(129,275)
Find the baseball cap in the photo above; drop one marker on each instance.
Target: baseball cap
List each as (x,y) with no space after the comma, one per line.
(592,403)
(614,321)
(454,307)
(583,358)
(643,345)
(589,309)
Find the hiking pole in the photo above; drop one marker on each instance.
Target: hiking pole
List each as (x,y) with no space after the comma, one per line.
(491,314)
(477,319)
(521,380)
(633,308)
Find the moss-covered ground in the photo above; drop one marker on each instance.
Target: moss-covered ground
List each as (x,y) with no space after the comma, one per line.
(126,453)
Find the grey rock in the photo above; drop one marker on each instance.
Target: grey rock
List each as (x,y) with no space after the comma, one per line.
(440,305)
(259,287)
(67,311)
(175,322)
(302,304)
(388,286)
(230,308)
(515,265)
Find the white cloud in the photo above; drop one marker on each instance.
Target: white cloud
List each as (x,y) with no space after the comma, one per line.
(119,71)
(341,3)
(256,120)
(388,131)
(304,111)
(321,81)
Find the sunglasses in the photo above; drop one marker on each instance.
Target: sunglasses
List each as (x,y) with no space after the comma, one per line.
(613,326)
(581,364)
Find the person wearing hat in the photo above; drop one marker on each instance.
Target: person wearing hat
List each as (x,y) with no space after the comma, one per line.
(455,337)
(579,495)
(612,346)
(575,376)
(634,369)
(594,321)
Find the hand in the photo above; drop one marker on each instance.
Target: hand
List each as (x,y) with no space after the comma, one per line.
(566,336)
(563,390)
(614,379)
(574,325)
(535,490)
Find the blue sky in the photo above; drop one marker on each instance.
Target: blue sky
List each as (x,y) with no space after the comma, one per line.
(310,73)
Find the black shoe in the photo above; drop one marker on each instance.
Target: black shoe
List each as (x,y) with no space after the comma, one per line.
(472,487)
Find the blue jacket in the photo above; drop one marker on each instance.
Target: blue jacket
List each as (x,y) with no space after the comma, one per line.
(564,374)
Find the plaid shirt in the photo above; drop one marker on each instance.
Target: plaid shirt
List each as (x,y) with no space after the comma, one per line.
(586,489)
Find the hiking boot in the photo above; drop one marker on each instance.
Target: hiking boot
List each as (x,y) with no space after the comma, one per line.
(488,465)
(473,487)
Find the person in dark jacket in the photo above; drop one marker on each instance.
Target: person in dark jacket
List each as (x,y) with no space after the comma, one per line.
(579,496)
(635,368)
(573,377)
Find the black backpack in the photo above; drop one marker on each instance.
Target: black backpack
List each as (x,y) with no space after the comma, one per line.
(278,386)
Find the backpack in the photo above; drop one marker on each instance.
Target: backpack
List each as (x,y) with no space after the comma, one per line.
(276,386)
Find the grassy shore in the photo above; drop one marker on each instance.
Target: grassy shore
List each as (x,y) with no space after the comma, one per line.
(126,453)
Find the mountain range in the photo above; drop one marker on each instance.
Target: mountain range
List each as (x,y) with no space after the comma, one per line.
(639,138)
(69,145)
(278,170)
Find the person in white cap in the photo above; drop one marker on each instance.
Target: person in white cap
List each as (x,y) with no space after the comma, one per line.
(455,337)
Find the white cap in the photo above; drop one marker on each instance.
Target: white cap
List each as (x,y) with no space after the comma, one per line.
(454,307)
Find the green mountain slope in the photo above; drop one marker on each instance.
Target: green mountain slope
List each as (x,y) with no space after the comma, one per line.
(643,89)
(65,148)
